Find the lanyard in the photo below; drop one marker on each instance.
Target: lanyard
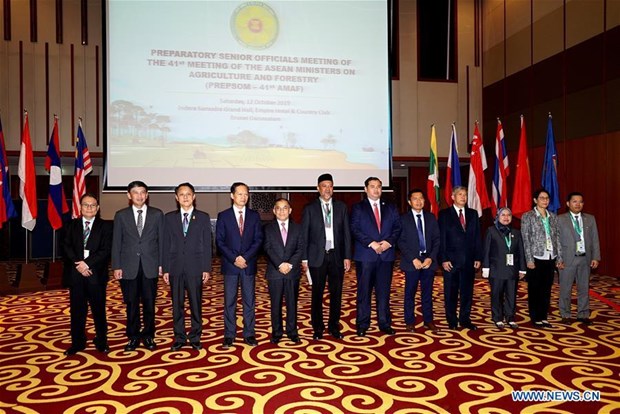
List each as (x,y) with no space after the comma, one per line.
(508,241)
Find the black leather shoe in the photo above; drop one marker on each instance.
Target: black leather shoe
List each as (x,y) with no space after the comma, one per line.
(585,321)
(74,350)
(336,334)
(132,345)
(361,332)
(317,335)
(228,342)
(469,325)
(177,345)
(453,327)
(295,339)
(275,339)
(250,340)
(196,345)
(103,347)
(388,330)
(149,343)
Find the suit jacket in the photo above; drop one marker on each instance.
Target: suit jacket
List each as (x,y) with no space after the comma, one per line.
(313,231)
(278,253)
(187,254)
(534,238)
(99,245)
(365,231)
(231,244)
(460,247)
(409,242)
(495,251)
(568,238)
(129,249)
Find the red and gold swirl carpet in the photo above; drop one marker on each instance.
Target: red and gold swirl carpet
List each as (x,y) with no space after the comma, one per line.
(445,372)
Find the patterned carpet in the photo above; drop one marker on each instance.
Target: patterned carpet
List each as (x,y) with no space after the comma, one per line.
(446,372)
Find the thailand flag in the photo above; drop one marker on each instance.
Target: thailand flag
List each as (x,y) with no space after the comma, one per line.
(83,167)
(453,173)
(56,202)
(500,189)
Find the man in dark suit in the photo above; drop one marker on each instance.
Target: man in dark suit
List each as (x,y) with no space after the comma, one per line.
(327,254)
(375,225)
(86,244)
(284,247)
(136,260)
(239,237)
(460,253)
(419,246)
(186,263)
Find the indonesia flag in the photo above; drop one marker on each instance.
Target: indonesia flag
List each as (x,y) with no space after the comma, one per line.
(500,191)
(432,184)
(7,209)
(478,197)
(453,173)
(27,180)
(83,167)
(56,202)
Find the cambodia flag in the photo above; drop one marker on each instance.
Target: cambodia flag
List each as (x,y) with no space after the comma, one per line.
(83,167)
(453,173)
(7,208)
(56,202)
(27,180)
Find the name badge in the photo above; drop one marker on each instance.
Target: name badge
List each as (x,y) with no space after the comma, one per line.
(581,248)
(549,245)
(86,253)
(510,259)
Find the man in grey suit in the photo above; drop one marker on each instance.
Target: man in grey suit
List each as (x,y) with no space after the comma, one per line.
(137,248)
(579,254)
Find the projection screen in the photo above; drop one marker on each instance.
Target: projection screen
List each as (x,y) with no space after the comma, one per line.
(269,93)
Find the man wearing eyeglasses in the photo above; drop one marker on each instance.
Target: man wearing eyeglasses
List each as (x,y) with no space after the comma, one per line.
(87,244)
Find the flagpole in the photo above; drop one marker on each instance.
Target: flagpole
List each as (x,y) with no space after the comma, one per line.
(27,246)
(53,246)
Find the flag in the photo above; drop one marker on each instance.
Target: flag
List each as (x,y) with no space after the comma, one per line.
(432,185)
(453,174)
(502,170)
(83,167)
(522,194)
(7,208)
(56,202)
(478,197)
(27,180)
(550,170)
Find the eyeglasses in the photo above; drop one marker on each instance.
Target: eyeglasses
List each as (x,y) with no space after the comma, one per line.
(86,205)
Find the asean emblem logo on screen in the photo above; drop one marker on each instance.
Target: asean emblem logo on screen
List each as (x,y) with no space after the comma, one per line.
(254,25)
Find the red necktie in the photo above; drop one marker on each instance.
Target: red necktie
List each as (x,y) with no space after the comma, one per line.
(462,218)
(377,218)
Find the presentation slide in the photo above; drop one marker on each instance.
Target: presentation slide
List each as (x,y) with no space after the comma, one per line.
(269,93)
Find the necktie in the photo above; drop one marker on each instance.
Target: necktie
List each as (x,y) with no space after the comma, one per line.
(377,217)
(140,224)
(421,239)
(462,218)
(185,223)
(328,216)
(86,232)
(284,233)
(577,227)
(241,222)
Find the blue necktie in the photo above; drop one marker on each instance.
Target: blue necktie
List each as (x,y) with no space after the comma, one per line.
(185,223)
(421,234)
